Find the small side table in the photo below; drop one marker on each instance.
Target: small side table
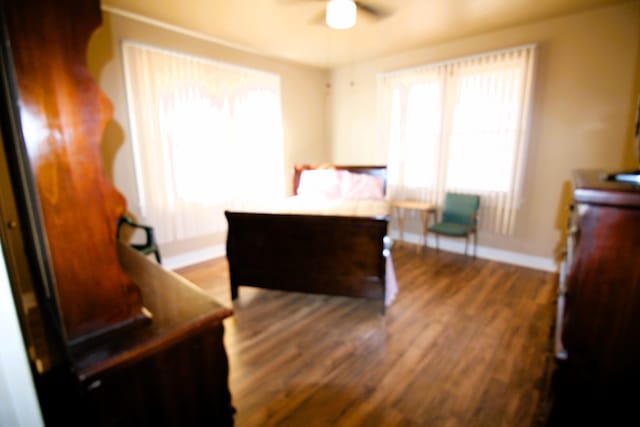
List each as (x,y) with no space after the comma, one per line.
(399,209)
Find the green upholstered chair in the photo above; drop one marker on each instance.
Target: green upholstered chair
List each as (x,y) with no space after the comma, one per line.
(149,246)
(459,218)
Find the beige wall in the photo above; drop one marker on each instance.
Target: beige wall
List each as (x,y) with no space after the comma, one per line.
(632,153)
(303,103)
(588,79)
(586,87)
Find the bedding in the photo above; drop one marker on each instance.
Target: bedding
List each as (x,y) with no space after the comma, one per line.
(339,184)
(329,238)
(309,205)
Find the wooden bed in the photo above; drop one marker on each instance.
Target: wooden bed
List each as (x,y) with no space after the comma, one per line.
(320,254)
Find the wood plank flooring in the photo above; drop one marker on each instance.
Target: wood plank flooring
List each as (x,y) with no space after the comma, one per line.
(464,344)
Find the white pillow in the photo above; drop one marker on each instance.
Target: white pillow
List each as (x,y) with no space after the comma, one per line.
(319,183)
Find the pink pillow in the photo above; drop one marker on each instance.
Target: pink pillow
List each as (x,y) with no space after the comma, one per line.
(320,183)
(360,186)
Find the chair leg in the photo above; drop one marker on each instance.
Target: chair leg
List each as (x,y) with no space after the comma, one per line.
(475,243)
(157,254)
(424,246)
(466,243)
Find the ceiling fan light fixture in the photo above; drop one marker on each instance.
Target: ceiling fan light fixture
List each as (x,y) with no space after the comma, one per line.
(341,14)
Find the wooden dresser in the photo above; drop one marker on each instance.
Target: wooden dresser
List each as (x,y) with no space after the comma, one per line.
(170,372)
(597,381)
(125,342)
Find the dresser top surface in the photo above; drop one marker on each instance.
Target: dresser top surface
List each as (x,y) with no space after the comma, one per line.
(178,308)
(592,187)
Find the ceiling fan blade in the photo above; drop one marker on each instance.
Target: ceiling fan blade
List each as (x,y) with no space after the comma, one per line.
(377,11)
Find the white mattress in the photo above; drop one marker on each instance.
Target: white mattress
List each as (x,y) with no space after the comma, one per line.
(321,206)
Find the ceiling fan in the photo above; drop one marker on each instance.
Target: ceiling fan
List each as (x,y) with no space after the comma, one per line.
(341,14)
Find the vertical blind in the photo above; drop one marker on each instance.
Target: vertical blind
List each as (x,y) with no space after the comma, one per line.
(206,136)
(460,126)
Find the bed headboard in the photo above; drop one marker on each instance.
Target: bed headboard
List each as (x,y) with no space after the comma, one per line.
(379,172)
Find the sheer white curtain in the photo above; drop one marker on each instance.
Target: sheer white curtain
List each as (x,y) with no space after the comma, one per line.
(206,136)
(460,126)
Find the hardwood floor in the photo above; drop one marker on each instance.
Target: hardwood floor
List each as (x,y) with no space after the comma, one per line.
(462,345)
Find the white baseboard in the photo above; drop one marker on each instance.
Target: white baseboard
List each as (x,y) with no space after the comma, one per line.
(446,244)
(485,252)
(194,257)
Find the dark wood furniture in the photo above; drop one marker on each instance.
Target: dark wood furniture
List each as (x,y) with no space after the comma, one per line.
(171,372)
(63,114)
(597,383)
(322,254)
(128,343)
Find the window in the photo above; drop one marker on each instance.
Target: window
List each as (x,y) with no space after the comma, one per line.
(206,136)
(460,126)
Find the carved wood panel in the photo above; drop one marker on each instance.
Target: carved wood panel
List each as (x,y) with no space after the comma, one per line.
(63,114)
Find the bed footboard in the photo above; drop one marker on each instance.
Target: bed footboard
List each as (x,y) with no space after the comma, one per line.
(319,254)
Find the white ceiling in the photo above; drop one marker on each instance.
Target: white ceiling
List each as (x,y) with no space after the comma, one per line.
(290,29)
